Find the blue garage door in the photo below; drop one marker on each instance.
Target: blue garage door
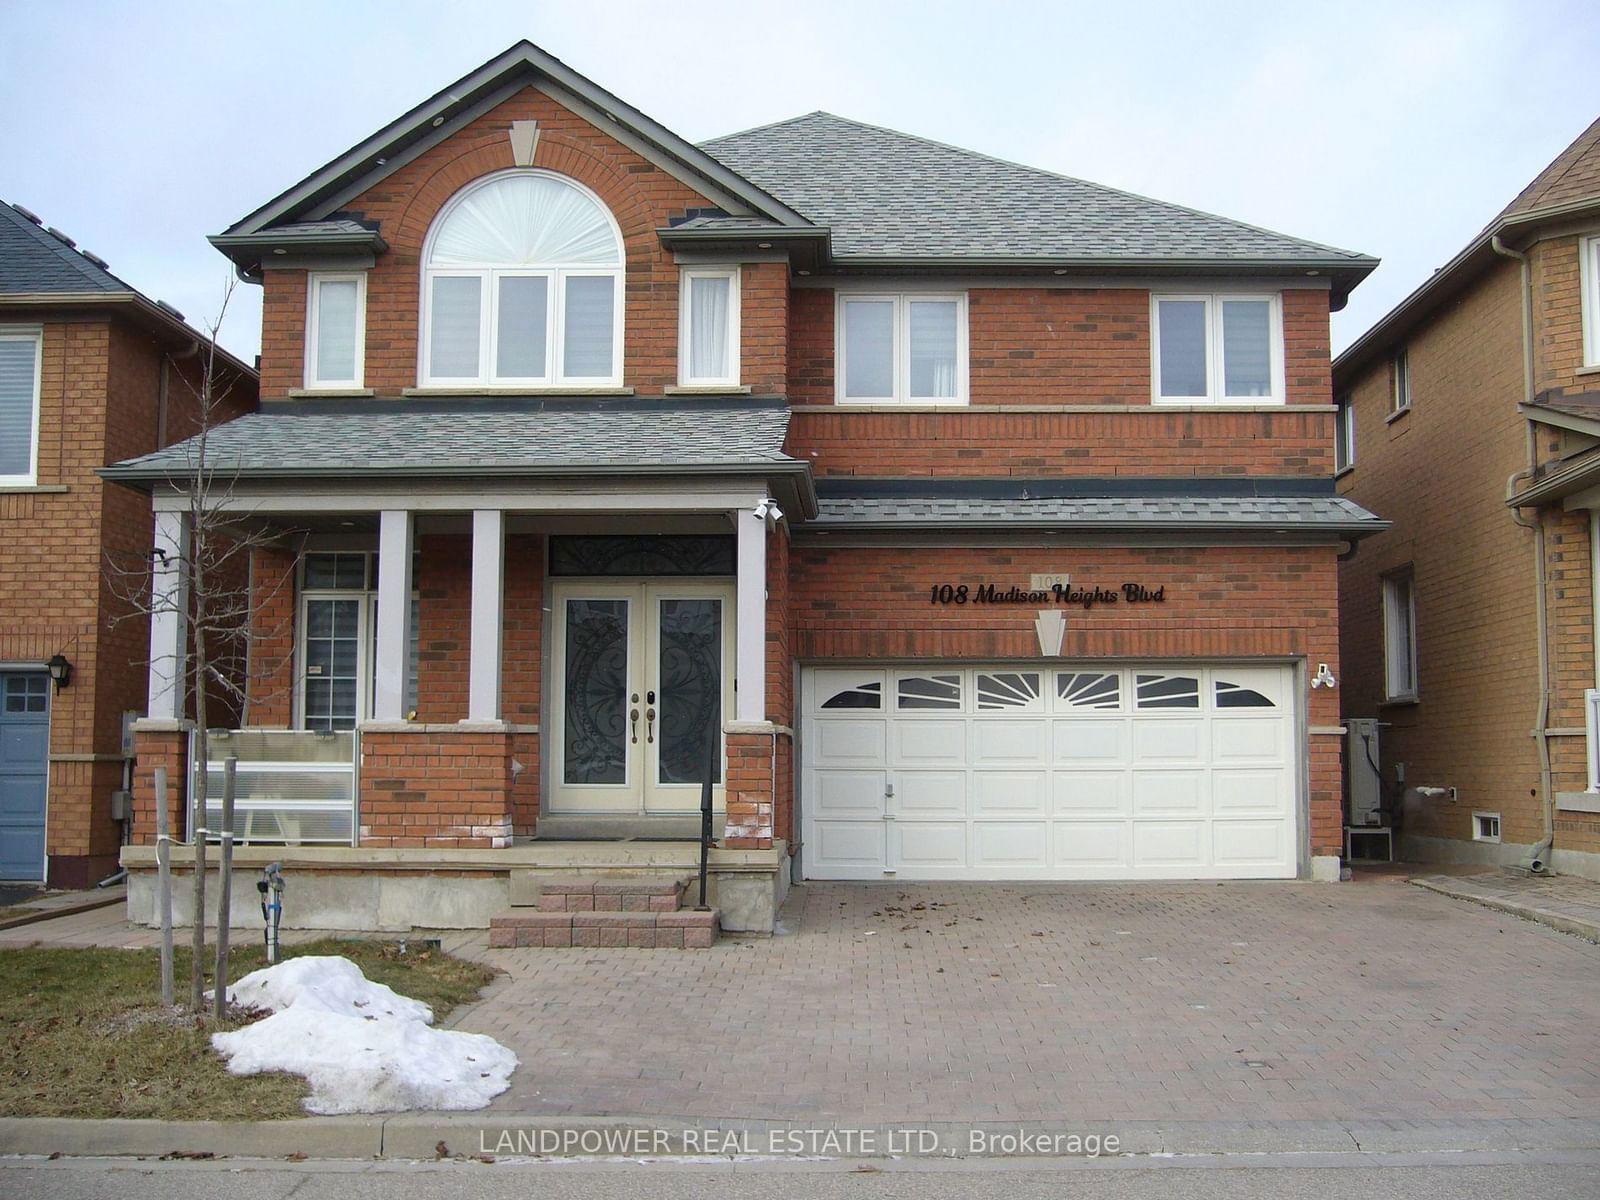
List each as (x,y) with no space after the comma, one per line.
(24,765)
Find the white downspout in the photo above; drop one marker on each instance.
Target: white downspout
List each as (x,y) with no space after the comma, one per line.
(1538,858)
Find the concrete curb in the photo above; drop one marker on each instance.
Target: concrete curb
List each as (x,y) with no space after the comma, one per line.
(412,1136)
(1565,922)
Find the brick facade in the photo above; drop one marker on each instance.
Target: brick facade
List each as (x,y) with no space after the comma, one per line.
(72,548)
(1060,383)
(1441,473)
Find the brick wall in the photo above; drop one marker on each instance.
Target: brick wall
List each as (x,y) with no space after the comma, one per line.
(1439,473)
(154,748)
(71,554)
(1222,602)
(436,787)
(1141,441)
(641,197)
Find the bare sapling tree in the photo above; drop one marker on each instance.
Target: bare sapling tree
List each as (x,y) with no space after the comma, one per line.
(217,615)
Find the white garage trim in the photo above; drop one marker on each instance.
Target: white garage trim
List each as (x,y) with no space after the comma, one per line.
(1059,771)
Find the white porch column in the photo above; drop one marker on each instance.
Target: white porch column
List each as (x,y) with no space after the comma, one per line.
(169,634)
(488,619)
(750,659)
(394,615)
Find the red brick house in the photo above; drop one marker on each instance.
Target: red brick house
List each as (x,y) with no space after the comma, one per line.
(1471,415)
(90,372)
(983,517)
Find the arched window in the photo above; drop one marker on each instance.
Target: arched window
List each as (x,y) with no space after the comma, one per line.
(522,286)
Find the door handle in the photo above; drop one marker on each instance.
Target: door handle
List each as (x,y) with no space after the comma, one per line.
(634,717)
(650,725)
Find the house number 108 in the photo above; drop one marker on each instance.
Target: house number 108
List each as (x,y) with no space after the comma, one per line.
(943,593)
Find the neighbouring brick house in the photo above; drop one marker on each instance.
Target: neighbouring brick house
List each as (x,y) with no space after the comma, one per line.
(1470,416)
(983,516)
(90,372)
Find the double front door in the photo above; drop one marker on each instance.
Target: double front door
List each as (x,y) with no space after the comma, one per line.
(642,680)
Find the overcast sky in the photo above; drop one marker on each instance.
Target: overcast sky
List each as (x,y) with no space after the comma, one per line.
(1397,129)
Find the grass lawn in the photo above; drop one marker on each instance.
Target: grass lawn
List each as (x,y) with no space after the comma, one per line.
(83,1034)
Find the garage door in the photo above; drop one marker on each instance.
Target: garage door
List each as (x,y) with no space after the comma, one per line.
(1070,772)
(24,764)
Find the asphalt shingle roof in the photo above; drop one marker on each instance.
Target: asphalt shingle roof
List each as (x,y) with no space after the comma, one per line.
(1311,513)
(892,195)
(34,260)
(458,440)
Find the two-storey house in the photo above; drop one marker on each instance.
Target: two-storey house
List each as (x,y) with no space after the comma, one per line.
(978,521)
(91,372)
(1470,415)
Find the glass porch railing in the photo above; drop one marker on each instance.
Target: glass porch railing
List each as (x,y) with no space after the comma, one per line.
(291,787)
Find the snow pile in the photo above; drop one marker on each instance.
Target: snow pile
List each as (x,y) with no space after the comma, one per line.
(362,1046)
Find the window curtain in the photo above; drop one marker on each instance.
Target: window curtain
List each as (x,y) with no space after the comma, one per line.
(17,369)
(708,327)
(520,350)
(526,221)
(869,349)
(1246,348)
(453,327)
(336,331)
(933,349)
(1183,347)
(589,312)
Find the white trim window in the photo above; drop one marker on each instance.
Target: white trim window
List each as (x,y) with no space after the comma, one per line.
(1344,435)
(522,287)
(901,348)
(1589,288)
(21,352)
(1400,636)
(336,330)
(1222,348)
(337,635)
(1591,721)
(1399,383)
(708,327)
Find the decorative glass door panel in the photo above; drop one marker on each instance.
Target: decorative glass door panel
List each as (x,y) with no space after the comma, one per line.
(689,657)
(642,679)
(595,747)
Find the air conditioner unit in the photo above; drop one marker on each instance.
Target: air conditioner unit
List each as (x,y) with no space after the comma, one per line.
(1361,767)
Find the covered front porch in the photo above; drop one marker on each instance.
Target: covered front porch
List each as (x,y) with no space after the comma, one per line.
(460,680)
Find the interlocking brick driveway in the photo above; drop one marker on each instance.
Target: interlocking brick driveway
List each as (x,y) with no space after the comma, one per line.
(969,1003)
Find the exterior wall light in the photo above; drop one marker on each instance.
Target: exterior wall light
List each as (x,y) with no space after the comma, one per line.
(60,670)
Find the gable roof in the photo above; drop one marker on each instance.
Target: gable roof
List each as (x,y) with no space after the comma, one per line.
(1567,189)
(895,197)
(319,195)
(41,267)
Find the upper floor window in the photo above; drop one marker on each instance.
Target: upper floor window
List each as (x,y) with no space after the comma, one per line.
(902,349)
(336,322)
(1400,635)
(1344,435)
(1217,349)
(20,352)
(1399,383)
(708,327)
(1589,280)
(522,286)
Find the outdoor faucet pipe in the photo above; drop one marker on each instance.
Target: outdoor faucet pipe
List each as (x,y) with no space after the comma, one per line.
(1538,858)
(270,885)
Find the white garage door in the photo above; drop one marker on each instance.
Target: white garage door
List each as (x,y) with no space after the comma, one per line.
(1066,772)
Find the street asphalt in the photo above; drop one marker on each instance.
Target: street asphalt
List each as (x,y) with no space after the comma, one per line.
(1551,1176)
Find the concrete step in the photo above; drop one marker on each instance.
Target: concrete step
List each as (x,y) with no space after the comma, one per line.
(610,895)
(677,930)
